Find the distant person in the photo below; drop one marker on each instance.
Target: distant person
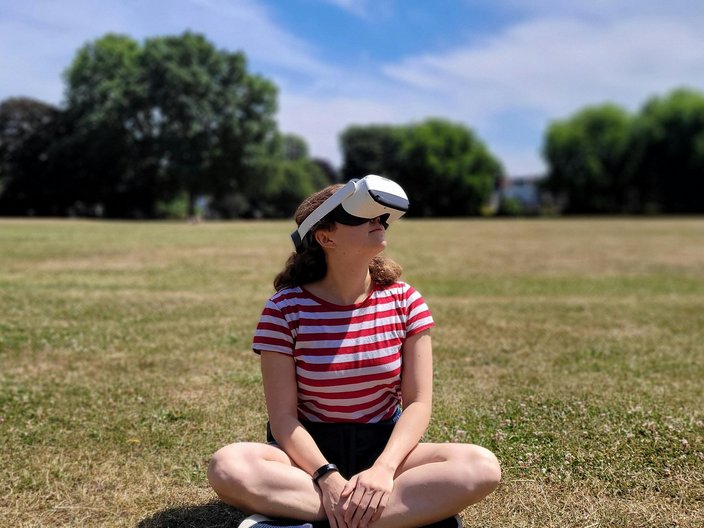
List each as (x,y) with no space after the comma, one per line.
(346,361)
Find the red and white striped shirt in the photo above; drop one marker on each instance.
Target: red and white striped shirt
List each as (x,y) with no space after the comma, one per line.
(348,358)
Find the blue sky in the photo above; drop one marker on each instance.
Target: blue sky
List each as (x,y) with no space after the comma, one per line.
(505,68)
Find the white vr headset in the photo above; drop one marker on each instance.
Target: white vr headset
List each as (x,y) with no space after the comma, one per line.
(359,201)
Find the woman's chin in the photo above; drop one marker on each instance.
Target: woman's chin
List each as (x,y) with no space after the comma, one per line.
(381,246)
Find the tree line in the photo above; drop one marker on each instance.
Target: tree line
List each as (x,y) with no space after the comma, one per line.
(147,129)
(172,126)
(604,159)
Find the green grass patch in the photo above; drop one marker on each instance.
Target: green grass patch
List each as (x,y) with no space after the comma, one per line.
(574,349)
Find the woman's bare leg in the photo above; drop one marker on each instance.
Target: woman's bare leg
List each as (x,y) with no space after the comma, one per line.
(260,478)
(437,481)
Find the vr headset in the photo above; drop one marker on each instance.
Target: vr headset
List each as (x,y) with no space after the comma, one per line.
(358,202)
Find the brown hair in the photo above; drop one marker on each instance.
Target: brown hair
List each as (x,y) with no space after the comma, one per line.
(310,265)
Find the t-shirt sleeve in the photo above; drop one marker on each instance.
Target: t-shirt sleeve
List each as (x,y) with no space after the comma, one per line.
(273,333)
(418,316)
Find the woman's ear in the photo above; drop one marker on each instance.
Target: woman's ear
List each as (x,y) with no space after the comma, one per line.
(324,238)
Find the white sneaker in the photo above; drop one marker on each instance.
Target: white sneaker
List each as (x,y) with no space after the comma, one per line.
(260,521)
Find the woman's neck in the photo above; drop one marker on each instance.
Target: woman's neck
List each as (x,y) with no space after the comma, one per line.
(344,284)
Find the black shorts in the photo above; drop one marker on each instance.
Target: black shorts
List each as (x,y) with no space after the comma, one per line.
(352,447)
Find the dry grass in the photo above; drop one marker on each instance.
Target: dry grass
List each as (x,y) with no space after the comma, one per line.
(572,348)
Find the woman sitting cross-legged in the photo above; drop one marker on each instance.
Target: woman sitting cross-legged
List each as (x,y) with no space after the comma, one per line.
(346,361)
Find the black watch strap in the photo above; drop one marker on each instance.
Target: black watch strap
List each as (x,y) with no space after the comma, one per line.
(324,470)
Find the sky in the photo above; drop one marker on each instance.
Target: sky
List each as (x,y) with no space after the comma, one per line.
(503,68)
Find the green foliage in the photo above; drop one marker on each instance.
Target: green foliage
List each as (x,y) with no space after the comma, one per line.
(293,182)
(443,167)
(293,147)
(286,176)
(146,123)
(510,207)
(103,80)
(331,173)
(203,110)
(669,142)
(149,125)
(176,208)
(113,168)
(588,154)
(446,169)
(606,161)
(21,119)
(31,133)
(373,149)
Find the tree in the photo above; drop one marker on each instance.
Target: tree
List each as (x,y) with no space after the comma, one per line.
(370,149)
(332,175)
(118,166)
(21,119)
(669,146)
(29,182)
(442,166)
(589,160)
(172,116)
(295,176)
(446,170)
(208,112)
(293,147)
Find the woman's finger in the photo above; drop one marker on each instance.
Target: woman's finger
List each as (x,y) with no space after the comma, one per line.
(361,499)
(331,520)
(340,521)
(366,509)
(350,486)
(357,501)
(383,501)
(341,509)
(370,515)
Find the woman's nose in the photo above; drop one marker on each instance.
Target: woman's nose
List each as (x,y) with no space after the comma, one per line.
(375,220)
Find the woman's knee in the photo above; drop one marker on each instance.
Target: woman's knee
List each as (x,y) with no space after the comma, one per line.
(230,469)
(476,469)
(483,468)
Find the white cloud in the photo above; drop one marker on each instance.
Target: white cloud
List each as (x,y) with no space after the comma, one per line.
(356,7)
(553,66)
(559,57)
(365,8)
(558,64)
(547,68)
(40,38)
(320,121)
(595,10)
(248,25)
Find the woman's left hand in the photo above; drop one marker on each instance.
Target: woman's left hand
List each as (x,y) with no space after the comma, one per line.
(368,494)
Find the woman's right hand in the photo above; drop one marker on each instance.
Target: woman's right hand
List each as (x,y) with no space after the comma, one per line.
(331,486)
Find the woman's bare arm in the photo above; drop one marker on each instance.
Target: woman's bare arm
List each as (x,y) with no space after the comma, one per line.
(280,392)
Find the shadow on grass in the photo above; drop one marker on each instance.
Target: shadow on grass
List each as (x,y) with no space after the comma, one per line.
(214,514)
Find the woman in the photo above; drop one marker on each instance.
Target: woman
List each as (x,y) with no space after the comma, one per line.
(343,344)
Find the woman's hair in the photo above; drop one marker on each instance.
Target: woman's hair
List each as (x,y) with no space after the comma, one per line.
(310,265)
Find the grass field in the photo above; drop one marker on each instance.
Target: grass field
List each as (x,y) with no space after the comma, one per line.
(574,349)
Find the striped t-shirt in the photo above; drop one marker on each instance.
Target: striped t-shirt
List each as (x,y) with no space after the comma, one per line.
(348,358)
